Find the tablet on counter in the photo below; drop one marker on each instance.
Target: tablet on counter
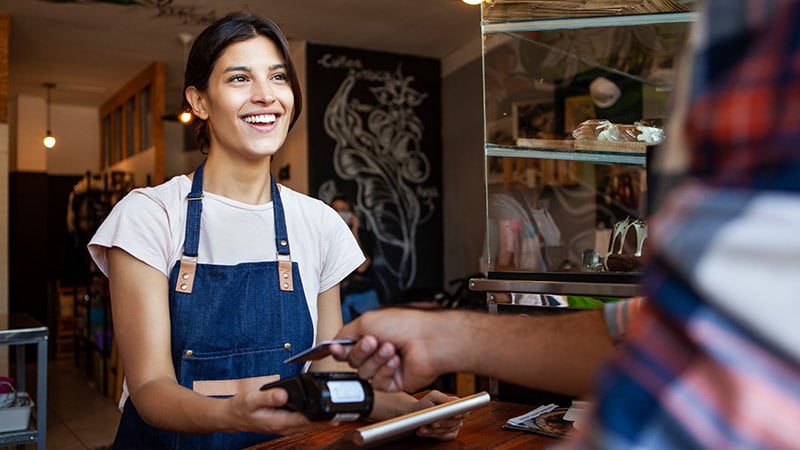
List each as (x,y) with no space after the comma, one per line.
(400,425)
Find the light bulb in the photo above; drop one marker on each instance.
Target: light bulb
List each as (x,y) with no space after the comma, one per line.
(49,141)
(185,117)
(472,2)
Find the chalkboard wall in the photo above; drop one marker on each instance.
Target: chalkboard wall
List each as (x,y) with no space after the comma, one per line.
(374,122)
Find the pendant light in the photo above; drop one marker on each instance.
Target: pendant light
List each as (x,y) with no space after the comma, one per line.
(49,140)
(185,116)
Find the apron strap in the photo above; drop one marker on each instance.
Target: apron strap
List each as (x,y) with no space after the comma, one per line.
(194,209)
(193,212)
(281,236)
(188,262)
(281,240)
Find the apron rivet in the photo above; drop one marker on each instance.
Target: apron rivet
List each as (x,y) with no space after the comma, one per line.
(286,285)
(285,275)
(185,276)
(189,353)
(287,346)
(184,286)
(283,241)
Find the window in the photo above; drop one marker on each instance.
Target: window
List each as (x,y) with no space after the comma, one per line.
(131,121)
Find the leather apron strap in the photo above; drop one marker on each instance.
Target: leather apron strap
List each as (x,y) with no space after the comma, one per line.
(188,263)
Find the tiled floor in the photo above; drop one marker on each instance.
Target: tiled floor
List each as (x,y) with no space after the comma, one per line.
(78,416)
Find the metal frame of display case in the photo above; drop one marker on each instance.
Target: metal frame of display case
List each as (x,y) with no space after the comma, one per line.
(24,330)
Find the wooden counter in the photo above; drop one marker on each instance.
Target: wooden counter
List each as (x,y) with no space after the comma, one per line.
(483,429)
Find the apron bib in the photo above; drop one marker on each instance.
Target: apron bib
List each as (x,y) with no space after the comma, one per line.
(228,323)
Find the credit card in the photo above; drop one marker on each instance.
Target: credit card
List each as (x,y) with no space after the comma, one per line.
(318,351)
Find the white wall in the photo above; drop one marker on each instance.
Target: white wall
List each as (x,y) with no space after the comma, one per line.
(77,130)
(77,135)
(30,125)
(140,166)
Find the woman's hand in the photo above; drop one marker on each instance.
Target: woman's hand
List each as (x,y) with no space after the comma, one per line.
(445,429)
(262,412)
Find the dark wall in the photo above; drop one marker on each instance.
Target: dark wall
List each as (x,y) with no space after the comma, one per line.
(463,160)
(27,245)
(67,259)
(37,241)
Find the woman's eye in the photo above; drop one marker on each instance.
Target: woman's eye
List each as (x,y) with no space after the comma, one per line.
(238,78)
(280,77)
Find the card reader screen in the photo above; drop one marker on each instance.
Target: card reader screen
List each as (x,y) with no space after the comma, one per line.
(346,391)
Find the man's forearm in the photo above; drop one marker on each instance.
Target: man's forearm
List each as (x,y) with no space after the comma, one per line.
(558,353)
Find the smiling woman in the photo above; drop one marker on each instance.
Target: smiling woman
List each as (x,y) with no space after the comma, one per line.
(219,276)
(249,103)
(237,71)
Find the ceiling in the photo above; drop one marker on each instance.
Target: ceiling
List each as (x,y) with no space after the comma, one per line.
(90,48)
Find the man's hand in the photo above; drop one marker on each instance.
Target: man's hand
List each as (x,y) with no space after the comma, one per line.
(394,349)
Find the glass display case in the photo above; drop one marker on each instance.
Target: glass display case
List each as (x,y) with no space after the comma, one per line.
(576,94)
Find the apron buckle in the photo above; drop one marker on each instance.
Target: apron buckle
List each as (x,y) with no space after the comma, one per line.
(285,274)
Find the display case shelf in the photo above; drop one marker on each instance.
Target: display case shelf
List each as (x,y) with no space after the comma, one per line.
(593,156)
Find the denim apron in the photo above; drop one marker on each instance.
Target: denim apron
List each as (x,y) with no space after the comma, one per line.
(228,323)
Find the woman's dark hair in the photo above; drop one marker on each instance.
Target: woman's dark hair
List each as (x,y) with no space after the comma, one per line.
(343,198)
(208,46)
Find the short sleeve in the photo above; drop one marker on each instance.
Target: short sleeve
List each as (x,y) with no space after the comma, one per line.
(138,224)
(618,316)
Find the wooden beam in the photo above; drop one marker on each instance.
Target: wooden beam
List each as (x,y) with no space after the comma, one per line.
(5,30)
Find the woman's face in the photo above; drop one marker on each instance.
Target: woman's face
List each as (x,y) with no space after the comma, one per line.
(249,101)
(344,210)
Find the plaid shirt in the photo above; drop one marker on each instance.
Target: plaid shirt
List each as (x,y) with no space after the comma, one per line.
(713,359)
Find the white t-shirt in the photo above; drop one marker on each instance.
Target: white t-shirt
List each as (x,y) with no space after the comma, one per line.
(149,223)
